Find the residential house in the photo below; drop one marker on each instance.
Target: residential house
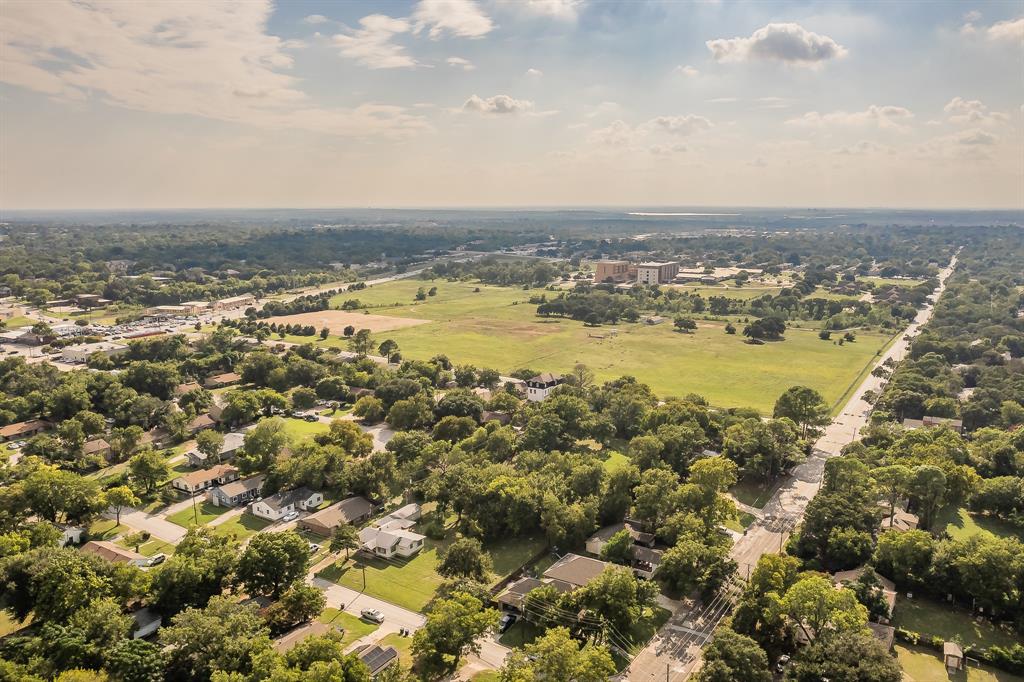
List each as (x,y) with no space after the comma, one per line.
(845,578)
(376,657)
(233,442)
(886,634)
(932,422)
(113,553)
(198,481)
(25,429)
(503,418)
(70,535)
(187,387)
(353,511)
(645,558)
(96,446)
(236,493)
(574,571)
(201,422)
(390,536)
(900,520)
(538,388)
(274,507)
(221,380)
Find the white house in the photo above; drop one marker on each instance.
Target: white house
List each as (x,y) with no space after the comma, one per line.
(274,507)
(390,536)
(233,442)
(538,388)
(70,535)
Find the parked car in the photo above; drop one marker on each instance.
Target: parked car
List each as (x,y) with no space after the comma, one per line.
(372,615)
(311,418)
(156,559)
(290,516)
(507,621)
(313,548)
(781,664)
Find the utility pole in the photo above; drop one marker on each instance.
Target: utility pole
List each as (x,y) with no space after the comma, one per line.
(195,514)
(666,672)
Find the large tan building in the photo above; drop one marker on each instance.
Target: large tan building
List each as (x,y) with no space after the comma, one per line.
(611,270)
(656,273)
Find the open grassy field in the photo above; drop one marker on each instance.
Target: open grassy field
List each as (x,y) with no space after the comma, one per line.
(497,327)
(891,281)
(299,430)
(941,620)
(19,321)
(923,665)
(961,524)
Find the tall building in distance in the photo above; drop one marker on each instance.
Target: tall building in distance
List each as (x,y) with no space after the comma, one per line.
(656,273)
(611,271)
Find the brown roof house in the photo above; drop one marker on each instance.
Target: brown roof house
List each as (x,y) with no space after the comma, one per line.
(900,520)
(114,553)
(225,379)
(952,656)
(25,429)
(197,481)
(96,446)
(352,511)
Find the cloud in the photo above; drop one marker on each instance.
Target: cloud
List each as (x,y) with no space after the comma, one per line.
(667,149)
(880,116)
(973,15)
(773,103)
(459,62)
(617,134)
(976,137)
(681,125)
(861,148)
(372,44)
(722,100)
(214,60)
(973,111)
(499,104)
(564,10)
(1011,29)
(972,145)
(315,19)
(462,18)
(534,73)
(594,110)
(687,71)
(621,134)
(790,43)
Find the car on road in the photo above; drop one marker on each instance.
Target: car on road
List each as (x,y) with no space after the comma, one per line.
(311,418)
(372,615)
(507,621)
(313,548)
(290,516)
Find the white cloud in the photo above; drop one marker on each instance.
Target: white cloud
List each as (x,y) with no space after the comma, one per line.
(617,134)
(316,19)
(687,71)
(976,137)
(1011,29)
(372,44)
(863,147)
(722,100)
(534,73)
(880,116)
(499,104)
(564,10)
(972,111)
(462,18)
(790,43)
(594,110)
(681,125)
(972,145)
(214,60)
(459,62)
(773,103)
(667,149)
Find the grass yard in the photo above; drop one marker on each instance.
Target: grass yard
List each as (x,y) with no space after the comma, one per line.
(752,492)
(961,524)
(353,626)
(205,511)
(19,321)
(299,430)
(485,676)
(153,546)
(924,665)
(940,620)
(512,554)
(242,526)
(520,634)
(740,523)
(497,327)
(402,644)
(891,281)
(104,529)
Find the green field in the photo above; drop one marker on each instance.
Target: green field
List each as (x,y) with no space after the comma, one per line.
(242,526)
(402,644)
(923,665)
(961,524)
(353,626)
(889,281)
(497,327)
(946,621)
(205,511)
(299,430)
(19,321)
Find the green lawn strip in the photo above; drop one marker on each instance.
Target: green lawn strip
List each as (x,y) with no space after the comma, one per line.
(511,554)
(890,281)
(614,461)
(924,665)
(104,529)
(242,526)
(299,430)
(741,523)
(353,626)
(153,546)
(402,644)
(200,515)
(644,630)
(947,621)
(485,676)
(497,327)
(961,524)
(19,321)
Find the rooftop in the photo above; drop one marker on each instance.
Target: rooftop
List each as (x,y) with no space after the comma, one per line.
(575,569)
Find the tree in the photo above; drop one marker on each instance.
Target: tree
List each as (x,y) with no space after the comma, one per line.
(262,444)
(124,441)
(369,409)
(557,656)
(927,490)
(361,343)
(851,655)
(618,596)
(732,656)
(761,448)
(200,568)
(465,558)
(891,481)
(804,406)
(120,497)
(454,429)
(730,328)
(62,496)
(346,538)
(413,413)
(619,548)
(818,608)
(299,604)
(695,563)
(684,324)
(210,443)
(273,562)
(452,629)
(388,348)
(303,398)
(225,636)
(135,660)
(581,376)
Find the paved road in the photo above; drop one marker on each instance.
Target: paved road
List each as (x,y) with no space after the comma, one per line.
(152,523)
(674,653)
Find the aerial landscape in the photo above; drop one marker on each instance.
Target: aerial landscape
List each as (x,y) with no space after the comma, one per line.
(511,340)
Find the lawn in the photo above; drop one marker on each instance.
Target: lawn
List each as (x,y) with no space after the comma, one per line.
(923,665)
(353,626)
(940,620)
(411,583)
(890,281)
(205,511)
(104,529)
(752,492)
(19,321)
(485,676)
(741,523)
(961,524)
(242,526)
(402,644)
(299,430)
(520,634)
(498,327)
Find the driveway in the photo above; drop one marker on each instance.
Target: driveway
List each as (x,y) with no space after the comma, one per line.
(353,601)
(153,524)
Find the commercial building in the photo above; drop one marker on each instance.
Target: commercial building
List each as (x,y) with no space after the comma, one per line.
(196,307)
(656,273)
(611,271)
(234,302)
(80,353)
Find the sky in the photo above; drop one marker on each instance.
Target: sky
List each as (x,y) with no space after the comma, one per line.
(510,103)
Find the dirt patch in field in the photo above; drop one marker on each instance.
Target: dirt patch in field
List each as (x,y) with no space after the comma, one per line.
(337,320)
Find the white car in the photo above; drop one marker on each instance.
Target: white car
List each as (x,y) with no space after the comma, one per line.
(372,615)
(290,516)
